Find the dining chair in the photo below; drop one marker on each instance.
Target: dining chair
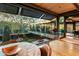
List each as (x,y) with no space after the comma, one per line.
(10,51)
(46,50)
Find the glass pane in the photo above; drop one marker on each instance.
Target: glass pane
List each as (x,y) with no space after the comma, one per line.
(23,28)
(77,26)
(61,27)
(69,28)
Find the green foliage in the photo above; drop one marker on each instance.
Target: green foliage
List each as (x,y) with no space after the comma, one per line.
(6,34)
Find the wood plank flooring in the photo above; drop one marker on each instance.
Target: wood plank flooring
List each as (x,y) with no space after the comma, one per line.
(62,48)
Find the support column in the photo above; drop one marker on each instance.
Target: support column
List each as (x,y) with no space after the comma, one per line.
(57,25)
(74,27)
(65,26)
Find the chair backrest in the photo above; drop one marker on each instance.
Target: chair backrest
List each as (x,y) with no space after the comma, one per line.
(9,50)
(46,50)
(12,41)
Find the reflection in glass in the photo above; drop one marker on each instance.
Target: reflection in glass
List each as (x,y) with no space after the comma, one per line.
(20,26)
(61,27)
(77,26)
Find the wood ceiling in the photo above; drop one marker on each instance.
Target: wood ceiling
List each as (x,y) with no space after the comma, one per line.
(61,9)
(57,9)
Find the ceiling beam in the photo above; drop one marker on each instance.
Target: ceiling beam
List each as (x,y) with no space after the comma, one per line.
(70,13)
(76,5)
(41,9)
(32,6)
(33,11)
(20,5)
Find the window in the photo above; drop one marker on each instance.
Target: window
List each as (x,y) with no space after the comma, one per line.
(22,25)
(70,27)
(61,27)
(8,8)
(77,26)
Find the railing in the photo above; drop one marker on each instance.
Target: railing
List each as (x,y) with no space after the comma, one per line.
(51,36)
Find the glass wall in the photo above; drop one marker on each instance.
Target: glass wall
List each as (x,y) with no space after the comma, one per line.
(14,26)
(77,26)
(44,27)
(69,27)
(61,27)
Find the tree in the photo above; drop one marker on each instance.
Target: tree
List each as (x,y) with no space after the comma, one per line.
(7,32)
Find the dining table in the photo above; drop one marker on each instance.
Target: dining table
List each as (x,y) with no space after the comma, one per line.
(26,49)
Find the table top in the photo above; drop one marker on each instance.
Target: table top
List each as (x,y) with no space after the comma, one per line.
(27,49)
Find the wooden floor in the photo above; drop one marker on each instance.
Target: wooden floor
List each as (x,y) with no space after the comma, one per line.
(71,40)
(62,48)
